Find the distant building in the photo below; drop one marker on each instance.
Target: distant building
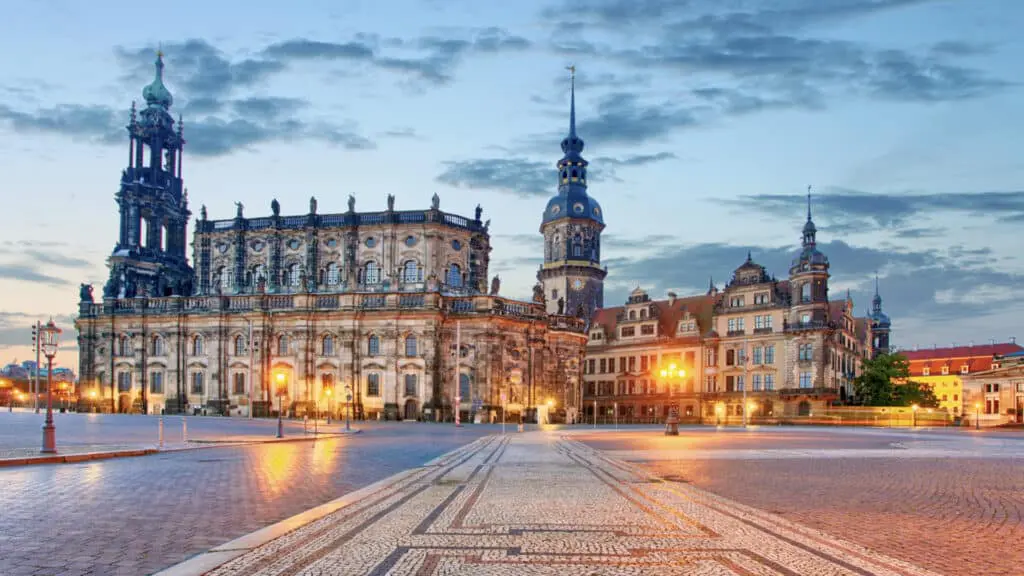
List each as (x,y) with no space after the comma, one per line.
(369,304)
(944,370)
(783,342)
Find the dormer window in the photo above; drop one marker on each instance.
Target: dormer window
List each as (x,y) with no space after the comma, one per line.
(643,314)
(945,370)
(632,314)
(926,371)
(964,369)
(647,330)
(736,302)
(628,332)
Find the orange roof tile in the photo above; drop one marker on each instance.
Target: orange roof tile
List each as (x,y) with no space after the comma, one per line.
(961,351)
(700,307)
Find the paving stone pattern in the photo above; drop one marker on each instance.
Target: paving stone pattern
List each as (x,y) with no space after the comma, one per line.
(541,503)
(954,515)
(138,515)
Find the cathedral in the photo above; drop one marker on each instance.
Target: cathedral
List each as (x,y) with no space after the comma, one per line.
(380,314)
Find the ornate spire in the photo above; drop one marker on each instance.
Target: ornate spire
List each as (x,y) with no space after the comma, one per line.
(156,94)
(876,302)
(711,284)
(572,145)
(810,231)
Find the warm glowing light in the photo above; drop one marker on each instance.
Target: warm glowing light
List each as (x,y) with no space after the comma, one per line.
(671,367)
(550,402)
(682,373)
(977,406)
(719,408)
(327,391)
(92,393)
(664,373)
(914,407)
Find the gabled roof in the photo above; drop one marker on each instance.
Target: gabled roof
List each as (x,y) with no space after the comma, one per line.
(962,352)
(861,327)
(700,307)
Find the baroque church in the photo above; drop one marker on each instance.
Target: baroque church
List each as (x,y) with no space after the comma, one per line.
(761,348)
(379,314)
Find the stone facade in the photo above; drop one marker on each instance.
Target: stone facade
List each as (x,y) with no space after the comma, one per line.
(312,312)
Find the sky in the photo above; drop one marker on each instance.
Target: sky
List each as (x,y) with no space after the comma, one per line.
(704,122)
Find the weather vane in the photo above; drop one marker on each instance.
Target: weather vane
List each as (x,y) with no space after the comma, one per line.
(572,71)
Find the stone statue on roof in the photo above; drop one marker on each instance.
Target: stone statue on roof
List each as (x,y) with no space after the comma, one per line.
(479,211)
(351,203)
(275,207)
(495,285)
(391,202)
(561,305)
(238,209)
(538,293)
(202,212)
(85,293)
(435,202)
(312,204)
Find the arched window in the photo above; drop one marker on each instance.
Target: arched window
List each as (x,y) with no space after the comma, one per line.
(805,292)
(464,390)
(259,274)
(411,385)
(156,346)
(411,271)
(373,384)
(455,275)
(124,346)
(371,273)
(333,274)
(556,248)
(327,381)
(410,345)
(197,346)
(373,345)
(643,313)
(282,345)
(632,314)
(239,346)
(197,383)
(294,274)
(327,346)
(577,247)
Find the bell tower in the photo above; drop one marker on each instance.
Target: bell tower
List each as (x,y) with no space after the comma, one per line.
(881,326)
(571,276)
(149,258)
(808,279)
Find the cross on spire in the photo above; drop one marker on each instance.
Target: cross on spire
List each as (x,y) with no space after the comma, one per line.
(808,202)
(572,99)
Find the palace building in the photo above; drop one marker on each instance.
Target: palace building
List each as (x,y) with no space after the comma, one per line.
(774,348)
(387,313)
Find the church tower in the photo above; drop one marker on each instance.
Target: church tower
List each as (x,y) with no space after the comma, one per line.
(881,327)
(571,277)
(808,280)
(149,258)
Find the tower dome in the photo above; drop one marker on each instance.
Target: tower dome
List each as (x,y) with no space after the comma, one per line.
(156,94)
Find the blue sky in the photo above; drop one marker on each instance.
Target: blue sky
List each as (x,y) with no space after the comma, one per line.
(704,120)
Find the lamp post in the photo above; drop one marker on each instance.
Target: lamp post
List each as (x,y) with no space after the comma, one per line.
(49,336)
(328,392)
(672,420)
(977,415)
(92,396)
(10,397)
(348,405)
(913,412)
(280,393)
(551,406)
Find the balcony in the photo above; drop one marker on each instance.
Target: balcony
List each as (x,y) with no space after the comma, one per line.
(767,330)
(731,333)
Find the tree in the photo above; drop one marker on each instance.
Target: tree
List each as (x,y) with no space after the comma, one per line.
(885,381)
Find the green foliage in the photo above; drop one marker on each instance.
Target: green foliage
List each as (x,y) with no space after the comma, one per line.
(876,384)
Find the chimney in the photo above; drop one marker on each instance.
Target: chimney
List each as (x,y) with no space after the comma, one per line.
(671,298)
(1013,339)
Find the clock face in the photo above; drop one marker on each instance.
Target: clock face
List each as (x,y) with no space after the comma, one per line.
(577,284)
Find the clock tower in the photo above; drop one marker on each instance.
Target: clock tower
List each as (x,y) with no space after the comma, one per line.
(572,277)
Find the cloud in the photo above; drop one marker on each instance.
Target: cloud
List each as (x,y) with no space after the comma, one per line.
(622,119)
(635,160)
(934,286)
(857,211)
(516,176)
(16,328)
(85,122)
(29,273)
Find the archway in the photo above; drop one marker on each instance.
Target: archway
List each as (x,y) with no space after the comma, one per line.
(804,409)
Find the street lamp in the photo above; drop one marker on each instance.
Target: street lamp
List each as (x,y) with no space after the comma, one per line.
(348,405)
(49,336)
(672,420)
(913,411)
(328,392)
(279,376)
(751,407)
(92,396)
(977,415)
(10,396)
(719,410)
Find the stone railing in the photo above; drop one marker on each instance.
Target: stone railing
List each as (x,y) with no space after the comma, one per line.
(344,220)
(476,305)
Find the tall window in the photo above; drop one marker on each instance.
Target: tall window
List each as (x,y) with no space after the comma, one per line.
(805,292)
(326,381)
(333,274)
(124,381)
(282,345)
(294,274)
(239,346)
(454,275)
(197,383)
(755,382)
(410,385)
(259,274)
(769,354)
(224,278)
(410,345)
(464,390)
(124,346)
(769,381)
(371,273)
(739,382)
(328,345)
(730,357)
(373,384)
(806,352)
(156,382)
(238,383)
(411,271)
(805,380)
(758,354)
(373,345)
(156,346)
(197,346)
